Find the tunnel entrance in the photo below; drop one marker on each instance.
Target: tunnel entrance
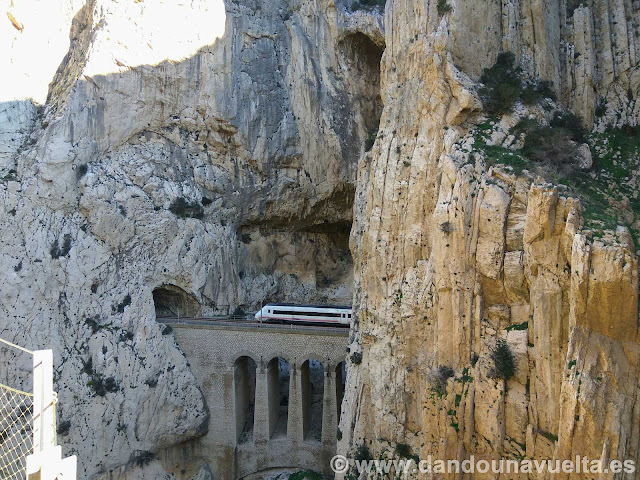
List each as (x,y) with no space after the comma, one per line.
(244,377)
(172,301)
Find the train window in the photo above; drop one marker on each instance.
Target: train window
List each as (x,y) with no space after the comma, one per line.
(306,314)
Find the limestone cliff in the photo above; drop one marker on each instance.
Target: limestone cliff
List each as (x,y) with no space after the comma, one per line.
(454,252)
(201,157)
(196,157)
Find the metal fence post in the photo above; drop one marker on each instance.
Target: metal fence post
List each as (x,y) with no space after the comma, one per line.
(46,462)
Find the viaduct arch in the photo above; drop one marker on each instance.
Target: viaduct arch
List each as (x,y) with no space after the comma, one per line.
(273,393)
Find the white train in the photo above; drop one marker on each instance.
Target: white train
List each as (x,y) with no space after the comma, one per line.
(309,314)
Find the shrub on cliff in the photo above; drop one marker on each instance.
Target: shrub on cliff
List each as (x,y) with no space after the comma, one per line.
(438,379)
(182,208)
(356,358)
(556,145)
(443,7)
(502,85)
(504,364)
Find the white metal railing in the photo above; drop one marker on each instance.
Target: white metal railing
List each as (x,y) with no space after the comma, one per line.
(28,449)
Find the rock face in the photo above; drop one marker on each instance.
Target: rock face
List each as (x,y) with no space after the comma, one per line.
(203,157)
(453,257)
(197,157)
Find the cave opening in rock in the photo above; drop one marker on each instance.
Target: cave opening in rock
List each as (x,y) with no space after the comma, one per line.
(362,57)
(173,301)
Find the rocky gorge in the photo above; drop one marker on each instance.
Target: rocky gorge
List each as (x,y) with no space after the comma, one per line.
(421,159)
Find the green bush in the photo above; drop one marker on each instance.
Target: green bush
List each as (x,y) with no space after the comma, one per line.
(362,453)
(555,145)
(504,364)
(572,123)
(536,92)
(502,85)
(443,7)
(306,475)
(601,109)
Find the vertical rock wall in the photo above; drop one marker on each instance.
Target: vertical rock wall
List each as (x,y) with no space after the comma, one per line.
(452,256)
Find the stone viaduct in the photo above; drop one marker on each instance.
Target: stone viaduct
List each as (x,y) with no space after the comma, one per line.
(273,391)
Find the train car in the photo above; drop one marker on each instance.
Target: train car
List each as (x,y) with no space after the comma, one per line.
(305,314)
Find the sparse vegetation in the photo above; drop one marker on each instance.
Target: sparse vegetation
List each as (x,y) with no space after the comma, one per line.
(356,358)
(556,146)
(438,379)
(142,459)
(370,140)
(607,193)
(404,451)
(57,250)
(504,364)
(446,227)
(81,171)
(548,435)
(518,327)
(536,92)
(362,453)
(503,86)
(443,7)
(101,385)
(63,427)
(306,475)
(126,301)
(183,208)
(368,5)
(11,175)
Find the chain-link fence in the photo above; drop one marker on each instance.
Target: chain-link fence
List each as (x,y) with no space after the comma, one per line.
(16,435)
(16,417)
(28,444)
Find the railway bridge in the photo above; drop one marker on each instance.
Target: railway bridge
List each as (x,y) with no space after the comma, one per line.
(274,394)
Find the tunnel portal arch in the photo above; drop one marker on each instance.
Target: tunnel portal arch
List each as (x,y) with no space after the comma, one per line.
(172,301)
